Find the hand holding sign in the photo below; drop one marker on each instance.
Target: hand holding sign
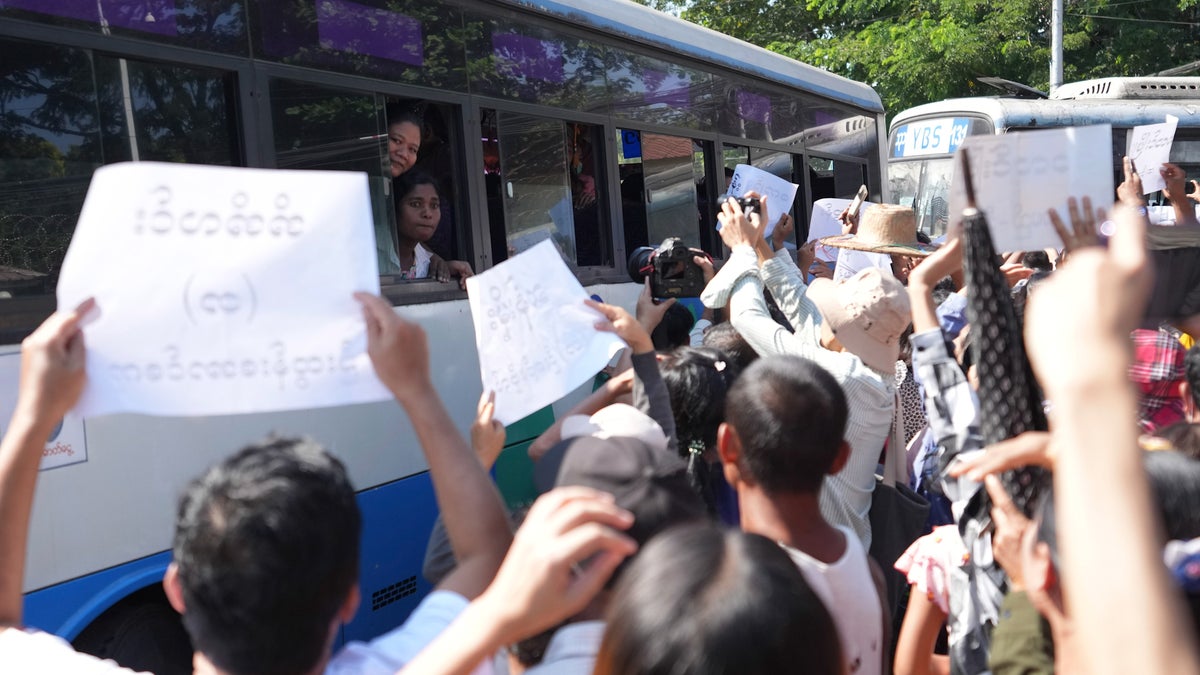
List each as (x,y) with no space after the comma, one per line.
(780,192)
(1149,147)
(537,340)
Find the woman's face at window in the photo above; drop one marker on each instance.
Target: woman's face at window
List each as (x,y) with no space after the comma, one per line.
(420,213)
(404,140)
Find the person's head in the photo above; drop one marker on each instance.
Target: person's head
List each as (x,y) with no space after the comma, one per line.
(1189,389)
(698,379)
(266,558)
(1182,437)
(702,601)
(675,328)
(784,430)
(1175,486)
(1037,260)
(642,477)
(418,206)
(404,142)
(864,315)
(724,336)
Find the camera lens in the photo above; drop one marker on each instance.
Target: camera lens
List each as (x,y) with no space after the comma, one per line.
(639,263)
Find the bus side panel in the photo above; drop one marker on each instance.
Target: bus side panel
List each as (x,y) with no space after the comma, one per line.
(397,520)
(66,609)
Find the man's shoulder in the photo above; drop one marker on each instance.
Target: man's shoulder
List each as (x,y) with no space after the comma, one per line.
(572,650)
(391,651)
(26,651)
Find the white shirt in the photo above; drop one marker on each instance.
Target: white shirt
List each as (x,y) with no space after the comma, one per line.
(32,652)
(848,592)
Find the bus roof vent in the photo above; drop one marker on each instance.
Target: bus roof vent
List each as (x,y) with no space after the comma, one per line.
(1131,88)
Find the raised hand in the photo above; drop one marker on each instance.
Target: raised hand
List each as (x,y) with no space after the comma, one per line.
(487,435)
(617,320)
(398,348)
(1082,232)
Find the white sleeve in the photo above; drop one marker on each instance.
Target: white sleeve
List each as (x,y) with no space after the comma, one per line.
(391,651)
(28,652)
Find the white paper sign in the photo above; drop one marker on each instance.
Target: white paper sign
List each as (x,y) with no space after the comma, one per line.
(824,223)
(1149,147)
(67,444)
(223,290)
(537,340)
(780,193)
(1018,177)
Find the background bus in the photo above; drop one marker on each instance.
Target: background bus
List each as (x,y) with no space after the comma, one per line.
(604,125)
(923,139)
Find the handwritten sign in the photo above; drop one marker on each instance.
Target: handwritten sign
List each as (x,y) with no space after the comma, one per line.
(1149,147)
(824,223)
(67,444)
(537,340)
(223,290)
(779,193)
(1018,177)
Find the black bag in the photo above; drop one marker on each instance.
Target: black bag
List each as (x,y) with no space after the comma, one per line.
(898,518)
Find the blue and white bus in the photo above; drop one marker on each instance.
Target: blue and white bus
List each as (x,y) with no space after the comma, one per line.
(604,125)
(923,139)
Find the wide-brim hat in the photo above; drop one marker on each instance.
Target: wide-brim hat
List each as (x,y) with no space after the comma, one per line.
(885,228)
(867,312)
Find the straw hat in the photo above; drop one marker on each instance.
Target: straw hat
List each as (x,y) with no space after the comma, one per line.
(885,228)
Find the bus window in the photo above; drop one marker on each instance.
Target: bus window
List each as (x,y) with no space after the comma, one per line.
(665,174)
(67,112)
(543,182)
(336,130)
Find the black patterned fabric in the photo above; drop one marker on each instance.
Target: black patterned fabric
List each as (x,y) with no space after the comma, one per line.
(1010,401)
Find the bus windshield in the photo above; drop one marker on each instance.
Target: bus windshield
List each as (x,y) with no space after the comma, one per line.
(923,184)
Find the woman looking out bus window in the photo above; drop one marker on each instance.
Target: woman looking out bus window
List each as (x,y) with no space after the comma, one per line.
(418,213)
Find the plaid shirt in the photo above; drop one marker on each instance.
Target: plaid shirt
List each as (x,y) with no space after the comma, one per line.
(1157,371)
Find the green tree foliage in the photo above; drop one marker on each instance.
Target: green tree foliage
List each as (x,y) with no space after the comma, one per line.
(917,51)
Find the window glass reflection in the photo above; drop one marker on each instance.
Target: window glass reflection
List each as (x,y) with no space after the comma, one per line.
(526,63)
(68,111)
(203,24)
(403,40)
(651,90)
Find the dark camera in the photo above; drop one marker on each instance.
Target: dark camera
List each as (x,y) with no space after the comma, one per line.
(749,204)
(672,272)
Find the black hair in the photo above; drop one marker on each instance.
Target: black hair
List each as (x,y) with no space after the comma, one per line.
(400,115)
(1184,438)
(1175,483)
(1047,526)
(1037,260)
(701,601)
(725,337)
(698,380)
(1191,370)
(790,415)
(408,181)
(675,328)
(266,544)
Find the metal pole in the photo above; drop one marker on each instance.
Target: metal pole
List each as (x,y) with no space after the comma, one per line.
(1056,44)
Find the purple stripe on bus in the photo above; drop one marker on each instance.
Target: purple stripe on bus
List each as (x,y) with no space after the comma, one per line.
(358,29)
(753,107)
(147,16)
(528,57)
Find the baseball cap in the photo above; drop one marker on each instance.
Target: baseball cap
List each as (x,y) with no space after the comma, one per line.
(868,313)
(650,483)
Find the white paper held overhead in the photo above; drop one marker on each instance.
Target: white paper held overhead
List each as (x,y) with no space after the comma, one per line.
(779,193)
(223,290)
(537,340)
(1019,177)
(1149,147)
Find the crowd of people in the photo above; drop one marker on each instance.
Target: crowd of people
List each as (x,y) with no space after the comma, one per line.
(714,506)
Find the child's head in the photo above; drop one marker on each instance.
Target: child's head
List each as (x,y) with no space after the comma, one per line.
(418,206)
(785,423)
